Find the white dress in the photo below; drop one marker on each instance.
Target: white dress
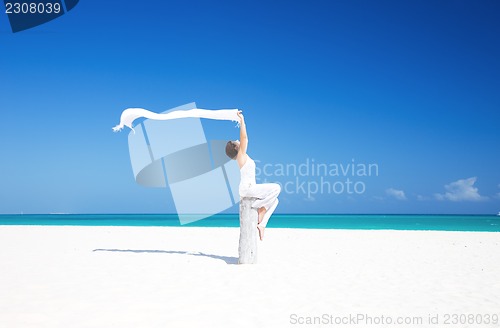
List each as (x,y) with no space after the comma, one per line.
(266,193)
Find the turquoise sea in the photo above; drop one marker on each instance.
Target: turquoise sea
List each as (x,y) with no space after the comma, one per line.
(316,221)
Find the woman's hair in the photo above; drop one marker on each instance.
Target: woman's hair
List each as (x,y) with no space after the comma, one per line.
(231,150)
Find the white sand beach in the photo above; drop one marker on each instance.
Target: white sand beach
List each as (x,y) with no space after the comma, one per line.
(55,276)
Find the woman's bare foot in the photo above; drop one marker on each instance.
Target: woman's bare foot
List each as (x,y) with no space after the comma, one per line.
(262,211)
(261,231)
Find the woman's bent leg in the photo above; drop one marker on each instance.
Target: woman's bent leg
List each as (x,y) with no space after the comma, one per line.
(268,213)
(266,203)
(266,194)
(262,225)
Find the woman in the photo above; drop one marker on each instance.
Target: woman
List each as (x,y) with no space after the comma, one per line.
(266,193)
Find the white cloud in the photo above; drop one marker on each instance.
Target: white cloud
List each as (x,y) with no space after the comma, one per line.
(422,198)
(398,194)
(461,190)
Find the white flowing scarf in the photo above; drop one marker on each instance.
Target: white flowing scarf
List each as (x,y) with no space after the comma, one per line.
(129,115)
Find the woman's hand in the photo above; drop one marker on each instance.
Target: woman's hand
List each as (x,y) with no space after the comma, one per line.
(242,118)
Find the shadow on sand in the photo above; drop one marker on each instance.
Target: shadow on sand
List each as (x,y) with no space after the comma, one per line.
(227,259)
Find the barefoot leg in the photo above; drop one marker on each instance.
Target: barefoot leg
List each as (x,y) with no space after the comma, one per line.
(262,211)
(261,231)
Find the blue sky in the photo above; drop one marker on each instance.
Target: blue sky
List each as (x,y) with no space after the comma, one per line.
(411,86)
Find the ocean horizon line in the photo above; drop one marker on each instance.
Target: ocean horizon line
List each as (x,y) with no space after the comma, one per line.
(443,222)
(275,214)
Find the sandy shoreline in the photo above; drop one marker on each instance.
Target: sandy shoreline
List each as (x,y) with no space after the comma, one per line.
(53,276)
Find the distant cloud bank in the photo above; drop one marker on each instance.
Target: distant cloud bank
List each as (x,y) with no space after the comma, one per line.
(398,194)
(461,190)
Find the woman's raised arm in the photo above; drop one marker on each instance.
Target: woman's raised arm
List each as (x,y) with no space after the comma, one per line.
(243,137)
